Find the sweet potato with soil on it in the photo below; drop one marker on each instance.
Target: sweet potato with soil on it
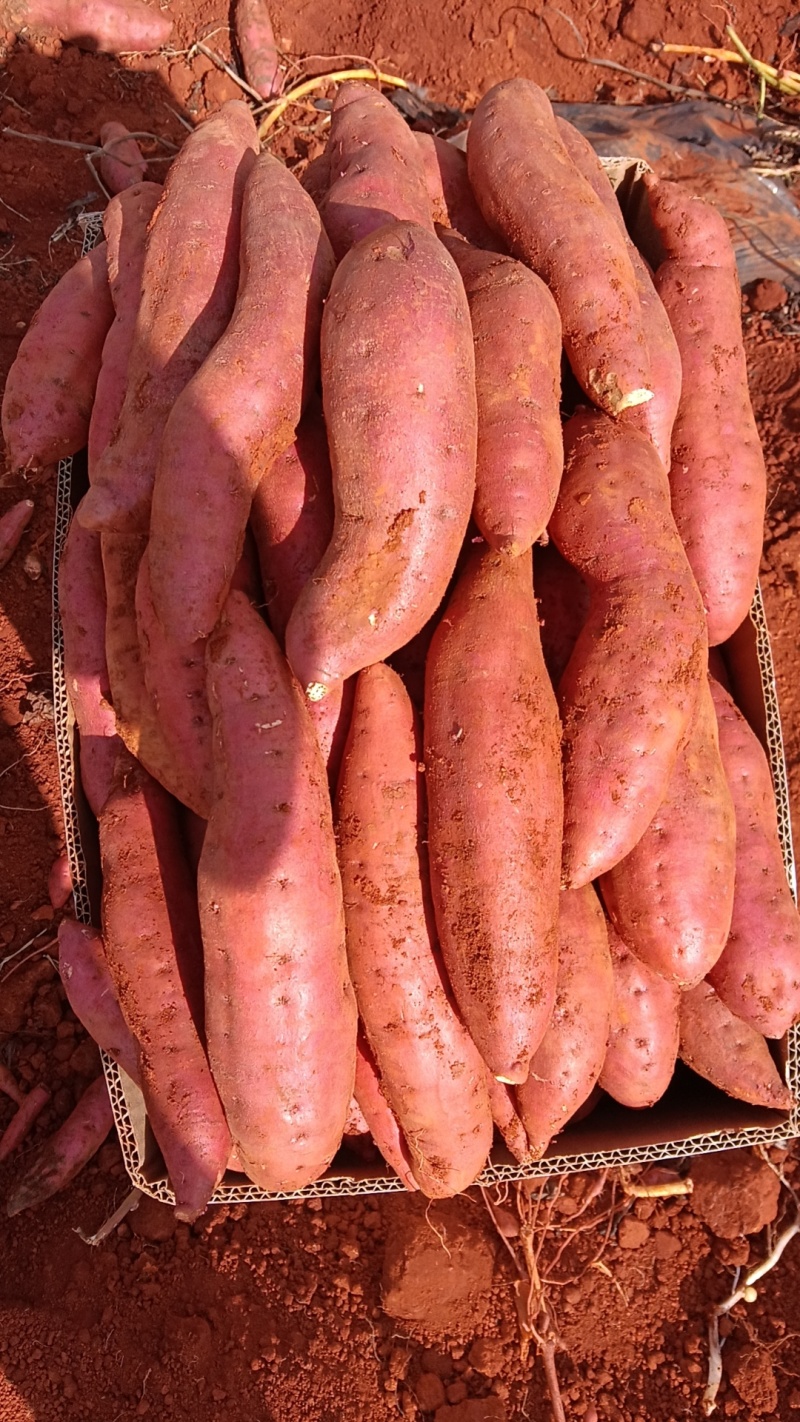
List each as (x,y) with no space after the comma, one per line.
(380,1120)
(240,411)
(376,169)
(255,41)
(58,1160)
(12,526)
(188,291)
(728,1052)
(493,772)
(656,417)
(449,193)
(122,164)
(430,1070)
(152,941)
(517,333)
(565,1069)
(671,898)
(21,1122)
(563,601)
(643,1043)
(758,974)
(398,380)
(630,690)
(280,1010)
(111,26)
(717,475)
(92,995)
(331,721)
(531,193)
(82,608)
(507,1120)
(125,223)
(50,387)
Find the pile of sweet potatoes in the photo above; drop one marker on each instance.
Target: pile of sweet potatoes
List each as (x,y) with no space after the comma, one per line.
(387,641)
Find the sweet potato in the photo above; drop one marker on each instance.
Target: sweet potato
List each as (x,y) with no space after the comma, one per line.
(331,721)
(92,995)
(255,41)
(493,771)
(21,1122)
(12,526)
(280,1010)
(507,1120)
(758,974)
(517,334)
(59,881)
(430,1070)
(398,378)
(189,279)
(671,898)
(563,601)
(657,416)
(449,193)
(151,932)
(565,1068)
(82,608)
(531,193)
(378,1115)
(57,1161)
(316,176)
(292,518)
(728,1052)
(376,169)
(630,690)
(643,1043)
(50,387)
(112,26)
(717,475)
(240,411)
(122,164)
(125,223)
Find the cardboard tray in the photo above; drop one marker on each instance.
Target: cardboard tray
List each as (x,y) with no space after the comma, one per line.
(691,1119)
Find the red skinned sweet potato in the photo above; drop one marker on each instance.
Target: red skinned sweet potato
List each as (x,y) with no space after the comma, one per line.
(449,193)
(671,898)
(630,690)
(57,1161)
(657,416)
(728,1052)
(565,1068)
(507,1119)
(380,1120)
(717,475)
(255,40)
(21,1122)
(643,1044)
(125,223)
(12,526)
(151,934)
(240,411)
(50,387)
(189,280)
(59,881)
(280,1010)
(112,26)
(316,177)
(517,332)
(563,601)
(376,169)
(531,193)
(758,974)
(122,164)
(398,377)
(430,1070)
(331,721)
(92,995)
(493,772)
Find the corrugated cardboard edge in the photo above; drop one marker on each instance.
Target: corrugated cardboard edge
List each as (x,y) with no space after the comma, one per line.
(126,1100)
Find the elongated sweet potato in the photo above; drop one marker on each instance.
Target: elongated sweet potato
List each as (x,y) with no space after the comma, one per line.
(630,690)
(655,417)
(717,475)
(112,26)
(398,378)
(151,932)
(122,164)
(449,193)
(530,192)
(507,1119)
(643,1044)
(565,1068)
(82,608)
(563,601)
(189,280)
(517,333)
(125,223)
(280,1010)
(316,177)
(240,411)
(671,898)
(376,169)
(12,526)
(57,1161)
(255,40)
(493,771)
(430,1070)
(758,974)
(50,387)
(728,1052)
(31,1106)
(92,995)
(381,1122)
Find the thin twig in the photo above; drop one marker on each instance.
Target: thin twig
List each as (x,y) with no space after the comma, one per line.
(131,1202)
(229,70)
(585,58)
(336,77)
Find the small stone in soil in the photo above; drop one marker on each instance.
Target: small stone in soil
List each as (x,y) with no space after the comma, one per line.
(750,1370)
(429,1392)
(767,295)
(632,1233)
(438,1264)
(734,1193)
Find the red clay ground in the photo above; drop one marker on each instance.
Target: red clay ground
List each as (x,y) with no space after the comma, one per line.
(276,1312)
